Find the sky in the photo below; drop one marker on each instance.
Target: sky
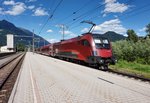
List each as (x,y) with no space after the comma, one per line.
(48,18)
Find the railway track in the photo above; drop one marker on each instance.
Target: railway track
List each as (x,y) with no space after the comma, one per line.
(8,74)
(129,75)
(8,59)
(138,77)
(5,55)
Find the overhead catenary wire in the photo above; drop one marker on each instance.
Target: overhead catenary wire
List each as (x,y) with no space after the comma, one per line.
(141,11)
(49,11)
(75,12)
(52,4)
(85,5)
(82,15)
(86,14)
(1,5)
(90,11)
(50,17)
(79,20)
(136,11)
(129,1)
(126,3)
(56,7)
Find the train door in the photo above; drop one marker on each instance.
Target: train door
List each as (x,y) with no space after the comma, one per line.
(85,49)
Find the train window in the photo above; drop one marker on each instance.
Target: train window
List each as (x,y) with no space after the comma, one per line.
(97,41)
(85,43)
(102,43)
(105,41)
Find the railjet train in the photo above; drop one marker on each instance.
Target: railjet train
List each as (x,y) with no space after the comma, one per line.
(89,48)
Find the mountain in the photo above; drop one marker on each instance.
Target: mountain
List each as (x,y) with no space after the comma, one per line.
(113,36)
(21,35)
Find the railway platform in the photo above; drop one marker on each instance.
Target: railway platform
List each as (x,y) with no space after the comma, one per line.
(43,79)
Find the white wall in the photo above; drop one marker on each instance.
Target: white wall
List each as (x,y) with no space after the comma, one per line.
(10,41)
(4,49)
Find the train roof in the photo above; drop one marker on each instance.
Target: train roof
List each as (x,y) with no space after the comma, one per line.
(98,35)
(75,39)
(95,35)
(92,34)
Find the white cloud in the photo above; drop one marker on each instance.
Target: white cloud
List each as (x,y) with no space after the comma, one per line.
(40,12)
(31,0)
(111,25)
(52,40)
(11,2)
(49,31)
(141,32)
(114,7)
(17,8)
(68,33)
(31,7)
(84,30)
(1,11)
(143,29)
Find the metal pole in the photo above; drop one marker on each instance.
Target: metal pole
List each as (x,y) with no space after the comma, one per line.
(63,30)
(38,43)
(29,47)
(92,28)
(89,22)
(44,42)
(33,43)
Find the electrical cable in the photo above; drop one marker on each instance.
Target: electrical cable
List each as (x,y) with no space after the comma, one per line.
(50,17)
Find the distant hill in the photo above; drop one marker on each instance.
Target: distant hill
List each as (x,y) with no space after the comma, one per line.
(114,36)
(9,28)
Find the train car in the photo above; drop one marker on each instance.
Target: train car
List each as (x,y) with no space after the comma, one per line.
(89,48)
(45,50)
(38,50)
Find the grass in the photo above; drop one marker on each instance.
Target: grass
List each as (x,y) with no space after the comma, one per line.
(132,68)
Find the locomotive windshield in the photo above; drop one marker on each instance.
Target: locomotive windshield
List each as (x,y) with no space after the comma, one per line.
(102,43)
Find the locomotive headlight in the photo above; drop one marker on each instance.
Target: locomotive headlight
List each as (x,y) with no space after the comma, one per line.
(101,61)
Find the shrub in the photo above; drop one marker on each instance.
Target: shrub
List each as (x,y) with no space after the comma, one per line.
(132,52)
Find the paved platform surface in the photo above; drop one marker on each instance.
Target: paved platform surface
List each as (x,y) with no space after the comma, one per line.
(47,80)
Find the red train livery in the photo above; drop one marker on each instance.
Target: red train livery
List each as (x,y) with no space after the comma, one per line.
(89,48)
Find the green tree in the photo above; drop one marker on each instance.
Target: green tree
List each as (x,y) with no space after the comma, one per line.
(20,47)
(148,30)
(132,35)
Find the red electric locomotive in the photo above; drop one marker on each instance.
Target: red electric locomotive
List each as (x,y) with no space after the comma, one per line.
(90,48)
